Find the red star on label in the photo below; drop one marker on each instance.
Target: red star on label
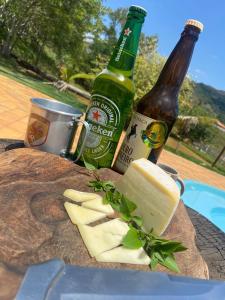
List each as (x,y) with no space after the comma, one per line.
(96,115)
(127,31)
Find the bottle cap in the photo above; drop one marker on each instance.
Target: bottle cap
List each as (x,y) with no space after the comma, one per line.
(139,9)
(195,23)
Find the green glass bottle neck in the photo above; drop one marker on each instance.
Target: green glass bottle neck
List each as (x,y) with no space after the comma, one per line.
(175,68)
(124,54)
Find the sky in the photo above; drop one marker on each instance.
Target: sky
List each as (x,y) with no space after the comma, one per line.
(166,19)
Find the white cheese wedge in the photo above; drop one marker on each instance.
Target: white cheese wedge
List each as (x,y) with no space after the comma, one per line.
(155,193)
(125,256)
(97,204)
(78,196)
(97,240)
(82,215)
(115,226)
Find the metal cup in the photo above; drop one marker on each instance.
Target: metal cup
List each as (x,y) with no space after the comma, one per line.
(173,174)
(52,127)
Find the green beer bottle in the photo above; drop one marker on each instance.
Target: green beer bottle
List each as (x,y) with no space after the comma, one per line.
(112,95)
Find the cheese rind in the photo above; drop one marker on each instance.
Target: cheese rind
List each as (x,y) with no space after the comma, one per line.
(153,191)
(78,196)
(97,204)
(82,215)
(97,240)
(125,255)
(115,226)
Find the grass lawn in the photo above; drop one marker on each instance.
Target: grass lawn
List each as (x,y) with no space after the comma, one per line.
(9,69)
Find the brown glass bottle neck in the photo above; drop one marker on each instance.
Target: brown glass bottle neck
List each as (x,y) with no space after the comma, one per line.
(175,68)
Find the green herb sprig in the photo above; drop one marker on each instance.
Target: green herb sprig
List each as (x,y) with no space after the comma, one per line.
(161,251)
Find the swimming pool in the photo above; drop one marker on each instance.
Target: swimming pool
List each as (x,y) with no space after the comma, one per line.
(207,200)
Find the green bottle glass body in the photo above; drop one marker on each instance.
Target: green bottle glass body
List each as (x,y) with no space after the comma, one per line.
(157,111)
(112,96)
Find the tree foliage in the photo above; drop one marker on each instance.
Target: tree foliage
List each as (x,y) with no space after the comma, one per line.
(195,129)
(55,29)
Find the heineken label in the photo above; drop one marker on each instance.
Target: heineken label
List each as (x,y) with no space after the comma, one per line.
(103,117)
(125,36)
(125,52)
(143,135)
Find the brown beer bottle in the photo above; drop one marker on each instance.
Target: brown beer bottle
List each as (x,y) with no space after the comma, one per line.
(157,111)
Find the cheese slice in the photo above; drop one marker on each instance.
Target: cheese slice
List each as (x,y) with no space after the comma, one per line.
(78,196)
(125,256)
(115,226)
(82,215)
(97,204)
(154,192)
(97,240)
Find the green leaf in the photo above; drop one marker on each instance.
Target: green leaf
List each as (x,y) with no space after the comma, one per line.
(130,204)
(107,199)
(99,185)
(158,256)
(154,262)
(96,185)
(127,206)
(137,220)
(89,166)
(131,239)
(171,246)
(115,206)
(93,165)
(180,248)
(126,218)
(123,209)
(170,263)
(108,185)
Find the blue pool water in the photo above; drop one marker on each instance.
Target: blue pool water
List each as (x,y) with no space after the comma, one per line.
(207,200)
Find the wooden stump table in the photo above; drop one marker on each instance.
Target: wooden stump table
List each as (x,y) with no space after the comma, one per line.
(34,226)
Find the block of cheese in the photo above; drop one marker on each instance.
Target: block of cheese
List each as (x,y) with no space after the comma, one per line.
(97,204)
(82,215)
(125,256)
(154,192)
(78,196)
(115,226)
(97,241)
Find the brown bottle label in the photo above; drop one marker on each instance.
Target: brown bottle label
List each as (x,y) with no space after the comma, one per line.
(143,135)
(37,131)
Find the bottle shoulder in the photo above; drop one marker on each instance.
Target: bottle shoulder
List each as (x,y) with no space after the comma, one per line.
(116,78)
(159,103)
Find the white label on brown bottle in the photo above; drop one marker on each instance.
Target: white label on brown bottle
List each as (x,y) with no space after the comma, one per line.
(143,135)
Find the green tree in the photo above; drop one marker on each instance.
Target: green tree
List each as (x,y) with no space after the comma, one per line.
(54,28)
(148,65)
(200,133)
(196,129)
(186,102)
(104,40)
(16,19)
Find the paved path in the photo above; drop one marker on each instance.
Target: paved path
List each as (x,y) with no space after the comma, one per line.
(14,112)
(210,241)
(189,170)
(14,107)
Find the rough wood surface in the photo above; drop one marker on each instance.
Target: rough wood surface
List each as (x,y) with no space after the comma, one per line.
(34,226)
